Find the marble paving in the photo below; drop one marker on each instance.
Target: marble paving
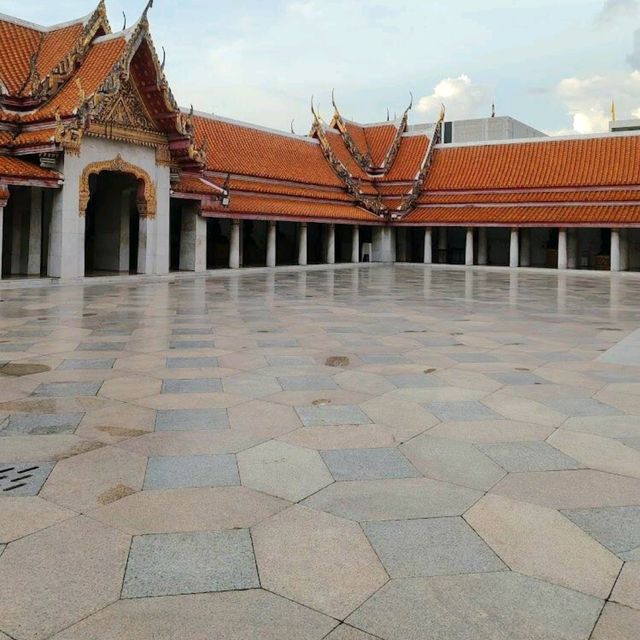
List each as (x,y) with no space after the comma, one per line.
(355,453)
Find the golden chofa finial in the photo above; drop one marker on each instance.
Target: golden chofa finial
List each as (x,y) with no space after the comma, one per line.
(443,113)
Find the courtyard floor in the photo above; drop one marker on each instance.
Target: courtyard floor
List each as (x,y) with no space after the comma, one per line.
(402,453)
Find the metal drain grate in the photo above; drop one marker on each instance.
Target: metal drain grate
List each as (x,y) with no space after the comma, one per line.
(23,479)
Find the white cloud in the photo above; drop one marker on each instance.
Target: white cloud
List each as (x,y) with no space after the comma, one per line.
(634,57)
(615,10)
(461,97)
(588,100)
(307,9)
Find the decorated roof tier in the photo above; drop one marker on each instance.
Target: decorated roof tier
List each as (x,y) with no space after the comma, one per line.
(14,171)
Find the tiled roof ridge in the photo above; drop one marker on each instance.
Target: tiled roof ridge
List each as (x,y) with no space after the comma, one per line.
(44,30)
(248,125)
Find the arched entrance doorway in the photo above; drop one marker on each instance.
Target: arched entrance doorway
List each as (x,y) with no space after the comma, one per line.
(115,198)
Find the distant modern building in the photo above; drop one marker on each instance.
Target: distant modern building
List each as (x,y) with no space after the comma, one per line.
(482,130)
(617,126)
(102,172)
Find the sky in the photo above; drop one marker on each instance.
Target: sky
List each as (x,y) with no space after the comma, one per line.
(555,64)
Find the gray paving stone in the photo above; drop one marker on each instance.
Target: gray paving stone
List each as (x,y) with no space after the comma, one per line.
(383,359)
(191,419)
(101,346)
(41,423)
(307,383)
(65,389)
(18,479)
(72,365)
(191,363)
(490,606)
(461,411)
(472,357)
(198,385)
(415,381)
(528,456)
(368,464)
(192,331)
(634,443)
(332,415)
(393,499)
(581,407)
(180,563)
(276,342)
(185,345)
(177,472)
(617,528)
(518,378)
(290,361)
(432,547)
(15,348)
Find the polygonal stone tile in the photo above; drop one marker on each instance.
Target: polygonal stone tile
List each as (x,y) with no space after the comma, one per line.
(64,389)
(307,383)
(474,606)
(241,615)
(433,547)
(579,489)
(627,589)
(581,407)
(87,481)
(86,365)
(191,419)
(528,456)
(452,461)
(318,416)
(317,559)
(345,632)
(408,419)
(79,562)
(368,464)
(198,385)
(617,528)
(189,510)
(21,516)
(461,411)
(181,563)
(251,386)
(617,623)
(177,472)
(492,431)
(599,453)
(38,424)
(393,499)
(518,378)
(23,478)
(192,363)
(283,470)
(542,543)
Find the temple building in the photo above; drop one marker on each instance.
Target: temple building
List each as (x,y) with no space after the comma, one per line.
(101,172)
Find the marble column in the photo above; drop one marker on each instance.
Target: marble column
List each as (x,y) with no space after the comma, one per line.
(34,256)
(302,243)
(123,247)
(572,248)
(624,249)
(562,249)
(384,246)
(468,254)
(525,247)
(4,198)
(514,249)
(442,245)
(147,244)
(272,231)
(428,246)
(331,244)
(483,246)
(615,249)
(355,244)
(234,245)
(193,239)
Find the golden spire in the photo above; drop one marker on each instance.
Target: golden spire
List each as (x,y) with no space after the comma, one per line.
(613,110)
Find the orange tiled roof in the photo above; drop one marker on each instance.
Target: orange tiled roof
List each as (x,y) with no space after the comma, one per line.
(34,138)
(527,215)
(280,188)
(101,59)
(241,149)
(601,195)
(409,159)
(610,161)
(291,208)
(13,168)
(18,44)
(196,185)
(379,140)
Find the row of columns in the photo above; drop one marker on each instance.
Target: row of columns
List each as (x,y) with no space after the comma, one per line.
(235,244)
(520,248)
